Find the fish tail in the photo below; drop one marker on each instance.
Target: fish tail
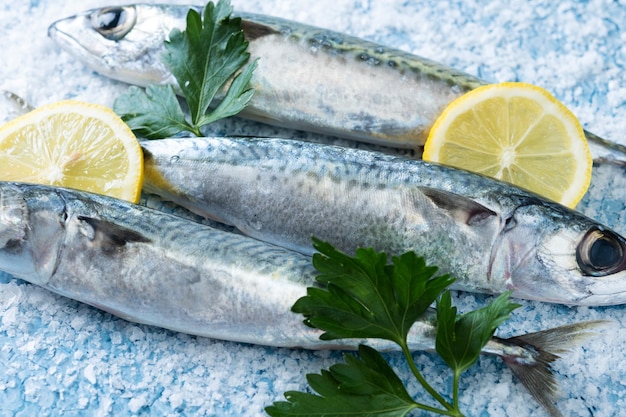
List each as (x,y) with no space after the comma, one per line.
(546,346)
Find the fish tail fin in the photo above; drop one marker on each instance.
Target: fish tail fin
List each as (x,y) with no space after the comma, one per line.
(545,346)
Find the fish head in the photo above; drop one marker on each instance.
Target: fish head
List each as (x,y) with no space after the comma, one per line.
(30,240)
(121,42)
(547,252)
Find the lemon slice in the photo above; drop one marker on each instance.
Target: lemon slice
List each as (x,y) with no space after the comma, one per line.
(518,133)
(73,144)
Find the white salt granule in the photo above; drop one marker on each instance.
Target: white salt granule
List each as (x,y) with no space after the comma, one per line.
(116,338)
(78,322)
(30,346)
(136,403)
(175,399)
(83,402)
(90,374)
(31,387)
(135,334)
(8,317)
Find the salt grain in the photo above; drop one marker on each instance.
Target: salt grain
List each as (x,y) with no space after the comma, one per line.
(135,404)
(90,374)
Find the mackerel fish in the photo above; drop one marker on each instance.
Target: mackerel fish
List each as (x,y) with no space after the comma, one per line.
(491,236)
(150,267)
(307,78)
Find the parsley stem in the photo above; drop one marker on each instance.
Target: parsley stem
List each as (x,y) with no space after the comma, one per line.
(451,413)
(450,409)
(455,389)
(196,130)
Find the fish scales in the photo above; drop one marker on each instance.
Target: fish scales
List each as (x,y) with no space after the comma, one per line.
(489,235)
(355,71)
(154,268)
(255,188)
(307,78)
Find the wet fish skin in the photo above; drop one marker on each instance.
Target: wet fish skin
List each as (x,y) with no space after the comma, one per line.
(307,78)
(490,236)
(150,267)
(153,268)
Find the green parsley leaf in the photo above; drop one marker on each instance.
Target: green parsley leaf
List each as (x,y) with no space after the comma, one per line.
(364,386)
(460,339)
(365,297)
(204,59)
(206,56)
(153,114)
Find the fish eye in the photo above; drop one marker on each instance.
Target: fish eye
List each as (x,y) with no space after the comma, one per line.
(601,253)
(113,22)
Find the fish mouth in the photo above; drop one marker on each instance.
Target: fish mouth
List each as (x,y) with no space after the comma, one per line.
(58,34)
(605,291)
(85,49)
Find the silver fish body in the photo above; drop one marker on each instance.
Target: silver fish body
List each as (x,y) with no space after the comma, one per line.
(150,267)
(490,236)
(307,78)
(154,268)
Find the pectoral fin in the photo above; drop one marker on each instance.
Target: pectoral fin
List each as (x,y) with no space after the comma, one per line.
(255,30)
(109,236)
(462,209)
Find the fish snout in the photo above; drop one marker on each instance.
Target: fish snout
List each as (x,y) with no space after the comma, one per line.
(75,35)
(60,29)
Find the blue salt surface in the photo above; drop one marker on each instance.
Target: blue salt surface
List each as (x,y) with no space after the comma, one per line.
(61,357)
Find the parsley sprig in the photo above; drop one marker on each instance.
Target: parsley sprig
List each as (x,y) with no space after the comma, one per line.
(365,297)
(203,58)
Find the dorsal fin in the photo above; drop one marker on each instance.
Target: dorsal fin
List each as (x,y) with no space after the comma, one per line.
(461,208)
